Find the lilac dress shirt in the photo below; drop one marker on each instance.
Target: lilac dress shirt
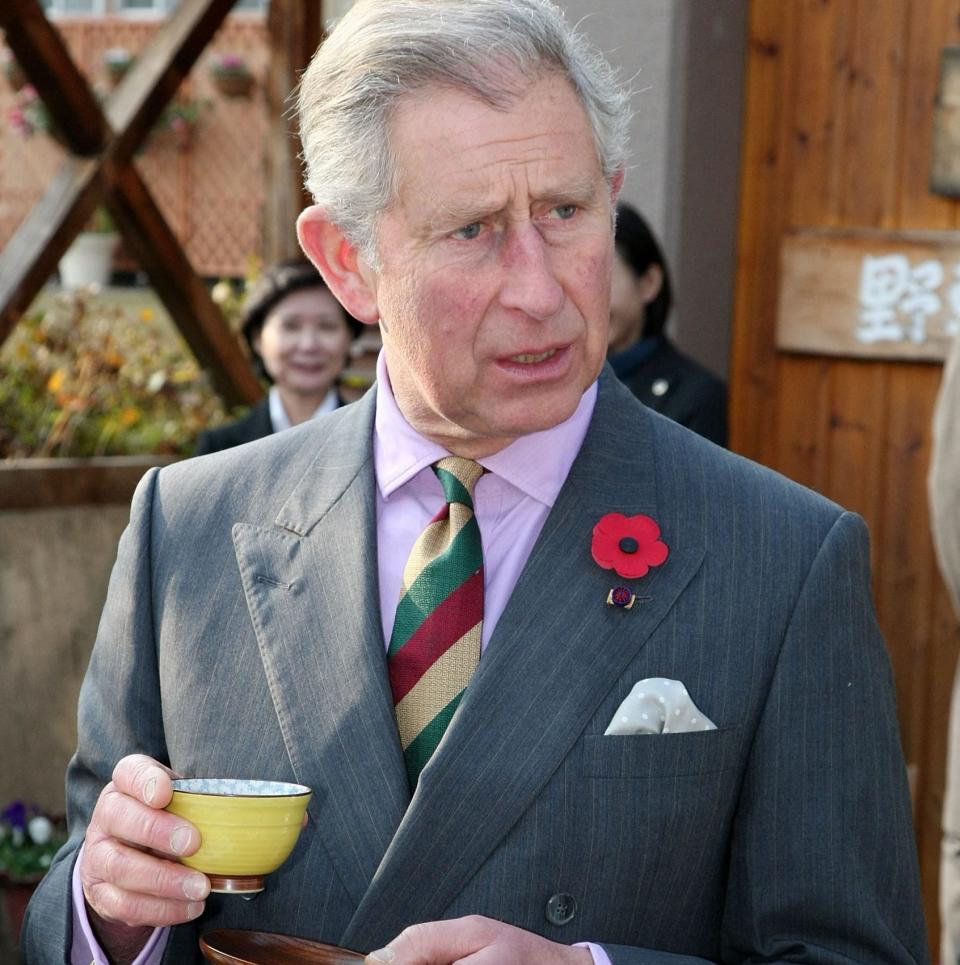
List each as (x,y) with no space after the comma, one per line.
(511,503)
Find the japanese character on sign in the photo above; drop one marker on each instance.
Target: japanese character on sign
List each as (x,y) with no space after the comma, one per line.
(897,300)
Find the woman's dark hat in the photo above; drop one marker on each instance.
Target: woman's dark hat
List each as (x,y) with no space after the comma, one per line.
(273,286)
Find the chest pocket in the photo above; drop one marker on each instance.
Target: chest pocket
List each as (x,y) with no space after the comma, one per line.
(662,756)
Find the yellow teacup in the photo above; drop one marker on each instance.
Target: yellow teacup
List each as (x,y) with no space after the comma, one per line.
(247,828)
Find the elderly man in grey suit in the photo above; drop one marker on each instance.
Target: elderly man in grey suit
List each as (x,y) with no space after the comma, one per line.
(665,731)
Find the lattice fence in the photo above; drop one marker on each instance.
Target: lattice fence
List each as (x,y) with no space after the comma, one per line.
(211,191)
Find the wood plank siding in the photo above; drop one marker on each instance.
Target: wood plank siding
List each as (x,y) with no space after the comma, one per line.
(839,127)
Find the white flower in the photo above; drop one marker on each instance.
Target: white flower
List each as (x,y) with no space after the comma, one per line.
(40,829)
(221,292)
(17,836)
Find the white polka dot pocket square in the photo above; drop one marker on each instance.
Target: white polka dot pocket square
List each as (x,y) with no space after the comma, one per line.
(658,706)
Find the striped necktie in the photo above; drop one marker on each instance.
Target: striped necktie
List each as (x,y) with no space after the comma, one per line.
(435,645)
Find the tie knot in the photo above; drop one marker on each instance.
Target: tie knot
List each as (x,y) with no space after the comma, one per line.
(458,476)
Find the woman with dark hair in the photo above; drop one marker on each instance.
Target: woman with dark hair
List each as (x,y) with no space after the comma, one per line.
(299,336)
(645,360)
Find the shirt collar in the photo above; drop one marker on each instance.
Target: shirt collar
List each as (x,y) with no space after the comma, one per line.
(278,414)
(537,464)
(631,358)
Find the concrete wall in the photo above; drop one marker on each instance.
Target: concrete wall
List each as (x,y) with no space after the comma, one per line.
(684,60)
(54,567)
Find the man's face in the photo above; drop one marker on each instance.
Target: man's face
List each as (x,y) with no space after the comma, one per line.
(493,285)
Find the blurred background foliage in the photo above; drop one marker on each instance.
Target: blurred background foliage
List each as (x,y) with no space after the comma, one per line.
(91,374)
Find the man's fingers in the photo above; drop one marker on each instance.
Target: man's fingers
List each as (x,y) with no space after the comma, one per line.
(145,779)
(117,815)
(116,905)
(474,940)
(125,869)
(436,942)
(130,870)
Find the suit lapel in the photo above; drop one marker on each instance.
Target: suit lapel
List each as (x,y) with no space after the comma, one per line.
(556,652)
(312,593)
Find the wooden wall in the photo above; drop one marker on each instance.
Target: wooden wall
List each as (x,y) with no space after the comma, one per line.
(839,117)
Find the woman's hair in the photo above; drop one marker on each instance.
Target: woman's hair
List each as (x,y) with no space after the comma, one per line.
(384,50)
(274,284)
(639,249)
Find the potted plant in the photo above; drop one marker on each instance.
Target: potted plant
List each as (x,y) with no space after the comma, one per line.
(231,75)
(89,259)
(28,841)
(180,118)
(117,61)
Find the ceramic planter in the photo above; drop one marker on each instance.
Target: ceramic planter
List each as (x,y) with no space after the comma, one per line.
(89,260)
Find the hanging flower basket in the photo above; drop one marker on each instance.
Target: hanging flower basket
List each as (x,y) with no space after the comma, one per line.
(234,85)
(179,120)
(231,75)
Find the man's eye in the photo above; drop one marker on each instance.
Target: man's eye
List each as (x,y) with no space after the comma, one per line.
(565,211)
(469,232)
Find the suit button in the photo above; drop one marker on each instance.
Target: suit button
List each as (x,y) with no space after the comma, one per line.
(660,387)
(561,909)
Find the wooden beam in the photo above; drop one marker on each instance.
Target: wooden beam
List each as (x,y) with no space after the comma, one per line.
(42,54)
(135,104)
(160,254)
(54,483)
(295,30)
(31,255)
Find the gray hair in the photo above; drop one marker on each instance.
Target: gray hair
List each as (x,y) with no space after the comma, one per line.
(383,50)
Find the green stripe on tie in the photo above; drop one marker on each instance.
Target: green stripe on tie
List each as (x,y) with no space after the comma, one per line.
(439,578)
(423,746)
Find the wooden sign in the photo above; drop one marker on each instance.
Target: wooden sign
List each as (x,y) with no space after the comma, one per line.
(870,294)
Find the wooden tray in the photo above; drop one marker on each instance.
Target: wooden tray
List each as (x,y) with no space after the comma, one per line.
(231,946)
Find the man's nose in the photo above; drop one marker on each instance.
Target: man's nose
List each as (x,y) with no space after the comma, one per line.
(530,284)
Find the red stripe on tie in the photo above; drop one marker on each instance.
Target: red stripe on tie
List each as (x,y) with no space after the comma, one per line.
(449,622)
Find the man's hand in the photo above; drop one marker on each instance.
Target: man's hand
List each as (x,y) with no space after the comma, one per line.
(130,879)
(475,941)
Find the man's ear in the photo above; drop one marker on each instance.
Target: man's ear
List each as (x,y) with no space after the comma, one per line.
(616,183)
(339,263)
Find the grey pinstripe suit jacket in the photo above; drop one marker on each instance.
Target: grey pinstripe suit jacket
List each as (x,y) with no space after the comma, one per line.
(241,636)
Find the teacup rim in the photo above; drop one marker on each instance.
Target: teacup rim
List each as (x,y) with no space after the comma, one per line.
(296,790)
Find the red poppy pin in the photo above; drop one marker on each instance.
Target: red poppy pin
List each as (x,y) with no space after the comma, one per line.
(629,545)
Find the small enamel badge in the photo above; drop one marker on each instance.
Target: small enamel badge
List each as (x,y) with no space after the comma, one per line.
(621,597)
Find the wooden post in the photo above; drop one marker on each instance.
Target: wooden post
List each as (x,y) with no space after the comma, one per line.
(295,29)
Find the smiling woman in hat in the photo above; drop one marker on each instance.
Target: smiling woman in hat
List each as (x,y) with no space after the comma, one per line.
(299,337)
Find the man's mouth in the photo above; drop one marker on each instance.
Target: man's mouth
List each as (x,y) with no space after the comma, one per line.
(528,359)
